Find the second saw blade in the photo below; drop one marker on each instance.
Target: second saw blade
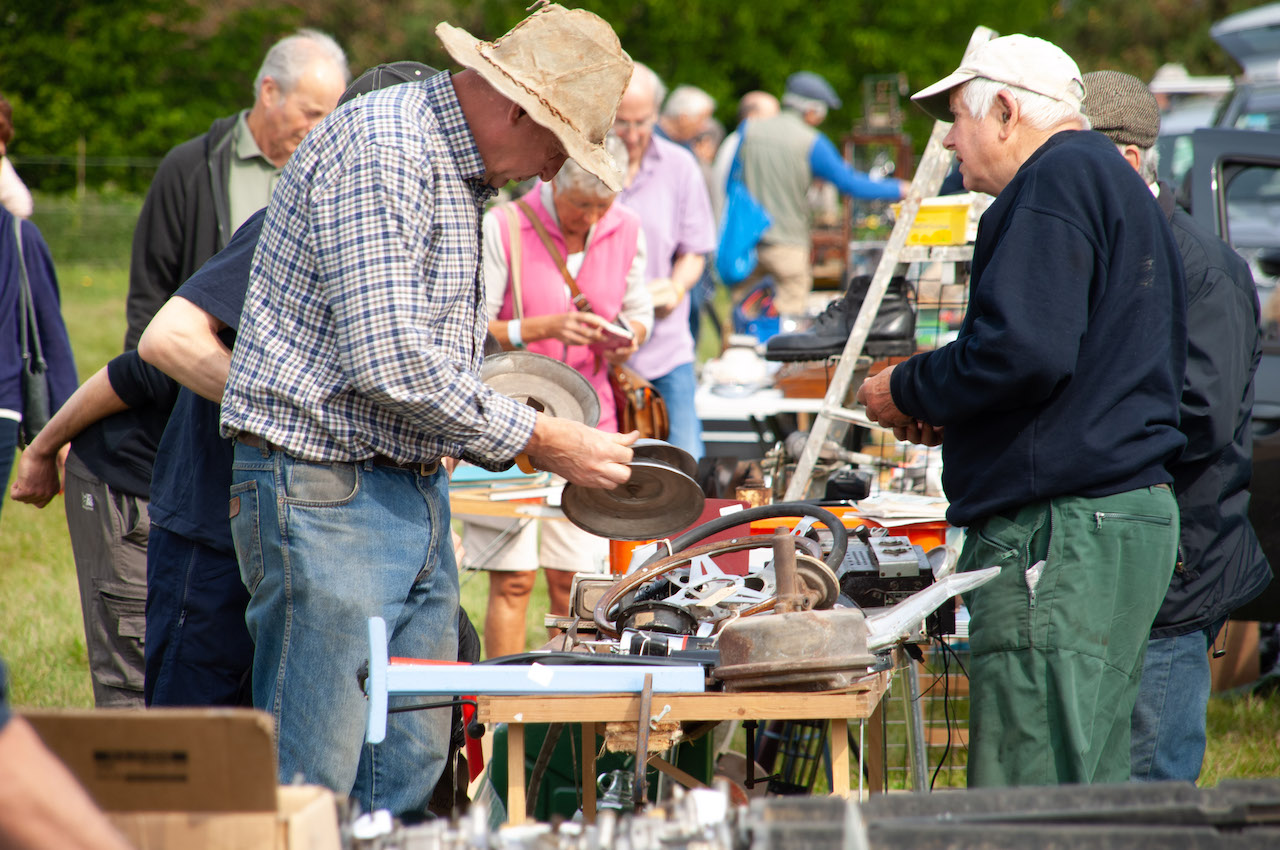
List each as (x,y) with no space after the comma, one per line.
(647,448)
(656,502)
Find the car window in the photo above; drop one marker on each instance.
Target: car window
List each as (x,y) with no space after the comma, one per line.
(1259,109)
(1252,223)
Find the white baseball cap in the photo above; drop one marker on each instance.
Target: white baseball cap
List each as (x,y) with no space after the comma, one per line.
(1017,60)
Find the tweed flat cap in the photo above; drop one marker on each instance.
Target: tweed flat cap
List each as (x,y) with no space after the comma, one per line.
(1121,107)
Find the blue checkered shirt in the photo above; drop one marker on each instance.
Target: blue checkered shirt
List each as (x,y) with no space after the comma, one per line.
(364,321)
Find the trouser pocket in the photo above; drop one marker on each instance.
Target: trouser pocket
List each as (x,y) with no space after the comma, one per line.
(1001,610)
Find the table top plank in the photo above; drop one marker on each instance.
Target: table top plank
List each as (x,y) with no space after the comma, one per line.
(853,704)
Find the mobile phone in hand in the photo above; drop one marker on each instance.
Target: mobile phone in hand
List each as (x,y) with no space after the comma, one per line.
(615,336)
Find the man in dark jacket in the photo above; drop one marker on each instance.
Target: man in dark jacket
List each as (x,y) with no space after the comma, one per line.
(206,187)
(1221,565)
(1058,411)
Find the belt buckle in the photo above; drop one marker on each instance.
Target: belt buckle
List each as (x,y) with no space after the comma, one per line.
(428,468)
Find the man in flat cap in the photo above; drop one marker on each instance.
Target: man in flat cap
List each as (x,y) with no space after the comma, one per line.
(355,374)
(781,157)
(1220,565)
(1057,410)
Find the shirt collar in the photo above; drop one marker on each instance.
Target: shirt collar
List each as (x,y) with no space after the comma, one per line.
(457,135)
(651,159)
(246,147)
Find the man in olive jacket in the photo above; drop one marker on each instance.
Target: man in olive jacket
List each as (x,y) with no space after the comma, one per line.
(206,187)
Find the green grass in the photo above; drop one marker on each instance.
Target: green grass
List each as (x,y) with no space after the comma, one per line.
(41,635)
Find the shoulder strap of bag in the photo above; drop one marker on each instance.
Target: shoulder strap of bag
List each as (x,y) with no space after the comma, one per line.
(735,169)
(513,280)
(579,300)
(30,336)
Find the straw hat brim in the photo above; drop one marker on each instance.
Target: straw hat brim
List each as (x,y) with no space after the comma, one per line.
(465,49)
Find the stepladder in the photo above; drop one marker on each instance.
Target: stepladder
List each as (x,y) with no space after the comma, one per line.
(836,416)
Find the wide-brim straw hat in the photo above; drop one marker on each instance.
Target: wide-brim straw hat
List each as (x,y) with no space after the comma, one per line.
(566,68)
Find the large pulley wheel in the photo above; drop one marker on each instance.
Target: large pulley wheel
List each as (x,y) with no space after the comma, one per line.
(656,501)
(816,583)
(543,383)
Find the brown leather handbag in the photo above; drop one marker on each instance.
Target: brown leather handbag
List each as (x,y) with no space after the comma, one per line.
(640,406)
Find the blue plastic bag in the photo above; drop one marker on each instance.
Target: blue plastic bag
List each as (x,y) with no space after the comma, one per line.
(743,223)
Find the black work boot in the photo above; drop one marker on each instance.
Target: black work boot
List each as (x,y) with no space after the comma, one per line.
(893,332)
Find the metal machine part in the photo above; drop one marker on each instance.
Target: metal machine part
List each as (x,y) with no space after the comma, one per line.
(795,649)
(606,617)
(896,557)
(647,448)
(656,501)
(545,384)
(882,571)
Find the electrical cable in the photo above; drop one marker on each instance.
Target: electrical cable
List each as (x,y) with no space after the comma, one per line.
(839,534)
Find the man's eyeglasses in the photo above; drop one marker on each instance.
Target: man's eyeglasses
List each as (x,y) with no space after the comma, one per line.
(619,125)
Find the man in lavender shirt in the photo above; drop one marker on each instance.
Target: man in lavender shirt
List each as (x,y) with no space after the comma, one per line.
(664,185)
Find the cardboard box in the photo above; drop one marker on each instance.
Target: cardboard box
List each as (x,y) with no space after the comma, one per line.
(189,779)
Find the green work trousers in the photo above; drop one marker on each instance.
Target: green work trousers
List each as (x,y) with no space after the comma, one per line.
(1057,639)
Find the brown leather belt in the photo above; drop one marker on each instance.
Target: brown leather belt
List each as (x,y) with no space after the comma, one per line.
(424,468)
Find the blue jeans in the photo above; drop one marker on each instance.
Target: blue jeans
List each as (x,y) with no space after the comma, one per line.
(678,388)
(8,445)
(322,548)
(197,648)
(1168,737)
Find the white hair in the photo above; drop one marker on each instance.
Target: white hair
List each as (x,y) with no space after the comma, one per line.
(1148,162)
(644,72)
(572,177)
(289,58)
(805,105)
(687,102)
(1039,111)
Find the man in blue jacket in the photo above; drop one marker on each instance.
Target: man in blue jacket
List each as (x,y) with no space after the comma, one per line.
(22,247)
(1220,565)
(1057,408)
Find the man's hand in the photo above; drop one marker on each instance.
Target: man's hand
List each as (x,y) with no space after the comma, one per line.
(666,294)
(919,432)
(37,480)
(875,396)
(582,455)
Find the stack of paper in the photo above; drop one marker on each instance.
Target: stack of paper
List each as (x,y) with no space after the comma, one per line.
(895,509)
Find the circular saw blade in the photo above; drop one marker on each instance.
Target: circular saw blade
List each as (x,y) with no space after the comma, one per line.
(647,448)
(544,384)
(656,502)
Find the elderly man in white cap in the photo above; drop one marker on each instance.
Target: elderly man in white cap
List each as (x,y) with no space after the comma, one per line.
(355,374)
(1057,409)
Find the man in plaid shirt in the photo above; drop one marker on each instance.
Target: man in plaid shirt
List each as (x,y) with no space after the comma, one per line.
(355,374)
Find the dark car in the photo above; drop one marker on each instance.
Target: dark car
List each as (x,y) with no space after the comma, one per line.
(1253,40)
(1234,188)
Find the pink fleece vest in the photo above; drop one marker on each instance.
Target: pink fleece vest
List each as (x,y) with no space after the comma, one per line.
(602,279)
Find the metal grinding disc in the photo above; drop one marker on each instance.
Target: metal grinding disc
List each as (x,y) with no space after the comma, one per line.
(544,384)
(647,448)
(656,502)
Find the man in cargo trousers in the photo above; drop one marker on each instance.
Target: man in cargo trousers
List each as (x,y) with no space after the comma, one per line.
(1057,410)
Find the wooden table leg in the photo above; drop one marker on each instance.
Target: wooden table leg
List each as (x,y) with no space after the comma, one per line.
(589,772)
(515,773)
(839,739)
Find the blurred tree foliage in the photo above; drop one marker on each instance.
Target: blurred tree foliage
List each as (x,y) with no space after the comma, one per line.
(132,78)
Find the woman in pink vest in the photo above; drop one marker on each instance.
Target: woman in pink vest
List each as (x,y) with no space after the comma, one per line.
(569,227)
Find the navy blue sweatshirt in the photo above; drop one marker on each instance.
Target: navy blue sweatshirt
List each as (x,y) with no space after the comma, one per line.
(1067,371)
